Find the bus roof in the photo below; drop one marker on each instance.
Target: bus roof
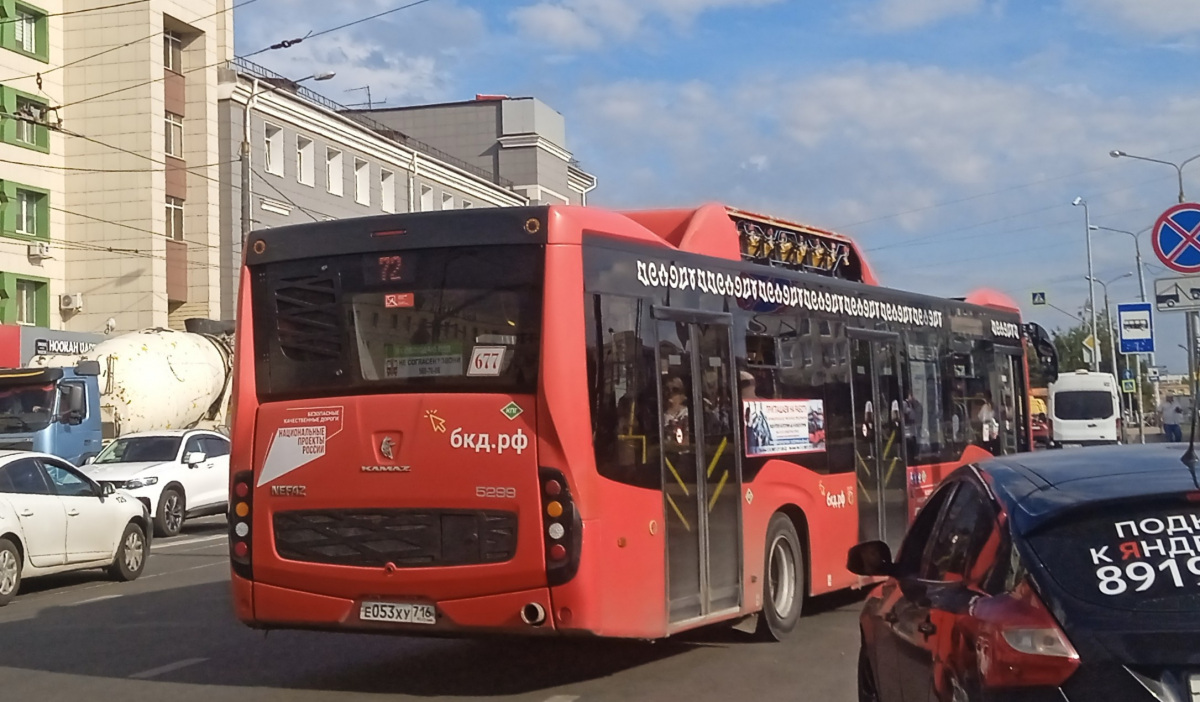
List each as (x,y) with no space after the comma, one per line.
(727,232)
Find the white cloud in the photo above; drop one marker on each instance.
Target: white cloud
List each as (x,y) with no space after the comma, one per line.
(1153,18)
(878,150)
(586,24)
(901,15)
(417,69)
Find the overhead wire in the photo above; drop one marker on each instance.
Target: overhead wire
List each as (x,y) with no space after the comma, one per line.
(52,69)
(916,241)
(1001,191)
(76,12)
(110,170)
(289,200)
(285,44)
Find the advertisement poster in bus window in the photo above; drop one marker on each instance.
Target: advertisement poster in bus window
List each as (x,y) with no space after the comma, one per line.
(776,427)
(422,360)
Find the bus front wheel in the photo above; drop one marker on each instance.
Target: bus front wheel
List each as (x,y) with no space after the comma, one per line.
(783,580)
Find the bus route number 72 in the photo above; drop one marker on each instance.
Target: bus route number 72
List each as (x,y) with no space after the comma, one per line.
(486,360)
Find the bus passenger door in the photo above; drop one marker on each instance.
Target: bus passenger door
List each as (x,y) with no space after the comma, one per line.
(701,467)
(1011,394)
(878,437)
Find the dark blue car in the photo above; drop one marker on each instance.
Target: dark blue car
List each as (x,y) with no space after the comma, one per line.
(1060,575)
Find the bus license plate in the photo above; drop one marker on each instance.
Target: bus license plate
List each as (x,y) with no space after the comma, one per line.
(397,613)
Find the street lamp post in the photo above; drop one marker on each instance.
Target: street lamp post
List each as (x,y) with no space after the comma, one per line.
(1189,317)
(1087,219)
(1177,166)
(1112,343)
(1137,249)
(247,181)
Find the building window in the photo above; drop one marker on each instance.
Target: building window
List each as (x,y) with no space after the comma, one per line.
(333,171)
(27,302)
(447,201)
(27,212)
(174,218)
(304,161)
(29,113)
(174,129)
(387,191)
(362,182)
(426,198)
(25,27)
(172,52)
(273,149)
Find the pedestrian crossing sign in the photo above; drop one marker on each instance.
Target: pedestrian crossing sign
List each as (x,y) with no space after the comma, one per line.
(1128,386)
(1039,298)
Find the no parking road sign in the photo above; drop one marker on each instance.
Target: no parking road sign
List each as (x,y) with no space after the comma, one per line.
(1176,238)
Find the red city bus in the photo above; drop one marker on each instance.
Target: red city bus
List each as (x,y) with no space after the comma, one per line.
(569,420)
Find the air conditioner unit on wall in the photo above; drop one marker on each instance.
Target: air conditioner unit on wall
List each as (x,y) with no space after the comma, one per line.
(71,302)
(39,250)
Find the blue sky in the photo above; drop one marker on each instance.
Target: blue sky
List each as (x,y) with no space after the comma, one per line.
(949,137)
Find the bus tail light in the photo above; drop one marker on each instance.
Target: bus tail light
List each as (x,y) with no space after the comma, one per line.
(241,514)
(1021,644)
(562,527)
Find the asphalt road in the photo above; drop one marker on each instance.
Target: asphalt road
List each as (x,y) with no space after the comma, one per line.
(172,635)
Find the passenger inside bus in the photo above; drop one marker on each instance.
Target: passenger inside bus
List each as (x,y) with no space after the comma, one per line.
(675,411)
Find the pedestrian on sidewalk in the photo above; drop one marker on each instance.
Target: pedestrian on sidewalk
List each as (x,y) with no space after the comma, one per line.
(1172,414)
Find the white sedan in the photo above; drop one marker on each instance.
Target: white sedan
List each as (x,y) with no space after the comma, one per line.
(177,474)
(54,519)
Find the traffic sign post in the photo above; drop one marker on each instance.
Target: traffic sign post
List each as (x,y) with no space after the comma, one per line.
(1136,322)
(1137,327)
(1176,238)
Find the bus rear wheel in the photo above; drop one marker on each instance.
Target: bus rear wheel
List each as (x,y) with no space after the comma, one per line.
(783,580)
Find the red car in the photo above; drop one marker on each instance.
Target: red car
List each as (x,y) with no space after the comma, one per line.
(1059,576)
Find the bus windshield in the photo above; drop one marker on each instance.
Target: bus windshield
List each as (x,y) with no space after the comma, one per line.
(430,320)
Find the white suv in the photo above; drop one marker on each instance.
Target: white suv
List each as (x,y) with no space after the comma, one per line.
(176,474)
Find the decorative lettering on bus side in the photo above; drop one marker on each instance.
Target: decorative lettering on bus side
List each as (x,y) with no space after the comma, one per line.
(1007,330)
(660,275)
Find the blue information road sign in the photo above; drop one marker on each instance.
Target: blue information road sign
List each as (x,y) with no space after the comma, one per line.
(1176,238)
(1137,327)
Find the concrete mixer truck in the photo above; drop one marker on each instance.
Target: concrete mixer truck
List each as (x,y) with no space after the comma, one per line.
(147,380)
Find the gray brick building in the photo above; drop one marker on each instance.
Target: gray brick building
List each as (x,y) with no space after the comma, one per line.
(519,140)
(313,160)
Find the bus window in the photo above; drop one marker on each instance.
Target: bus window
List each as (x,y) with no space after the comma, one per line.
(779,371)
(621,385)
(382,323)
(923,408)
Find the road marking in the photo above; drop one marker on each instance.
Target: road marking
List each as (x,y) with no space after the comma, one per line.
(94,599)
(562,698)
(222,562)
(168,668)
(185,542)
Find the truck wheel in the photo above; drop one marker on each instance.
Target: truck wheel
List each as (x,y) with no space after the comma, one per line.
(783,580)
(169,519)
(130,560)
(10,571)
